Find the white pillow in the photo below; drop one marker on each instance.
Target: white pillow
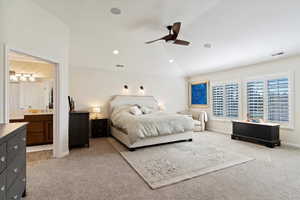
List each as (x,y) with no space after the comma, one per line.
(146,110)
(135,110)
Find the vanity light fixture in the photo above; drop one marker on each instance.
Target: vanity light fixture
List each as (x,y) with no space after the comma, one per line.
(23,78)
(31,78)
(12,76)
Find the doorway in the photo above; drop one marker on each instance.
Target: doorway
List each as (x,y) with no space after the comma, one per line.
(31,94)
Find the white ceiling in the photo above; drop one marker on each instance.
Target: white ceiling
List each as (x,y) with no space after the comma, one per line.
(241,33)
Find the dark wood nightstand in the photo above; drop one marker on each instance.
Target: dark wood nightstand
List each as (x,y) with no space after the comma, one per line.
(100,127)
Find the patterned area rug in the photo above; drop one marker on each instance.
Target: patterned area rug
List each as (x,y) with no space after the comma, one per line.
(167,164)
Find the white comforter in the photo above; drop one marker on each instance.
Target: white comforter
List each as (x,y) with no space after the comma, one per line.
(150,125)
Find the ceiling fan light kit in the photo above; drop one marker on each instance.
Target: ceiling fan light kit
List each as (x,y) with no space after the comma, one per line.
(172,36)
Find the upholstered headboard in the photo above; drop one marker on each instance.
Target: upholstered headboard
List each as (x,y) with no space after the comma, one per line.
(119,100)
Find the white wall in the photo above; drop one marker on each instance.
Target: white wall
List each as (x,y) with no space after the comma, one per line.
(291,136)
(28,28)
(92,87)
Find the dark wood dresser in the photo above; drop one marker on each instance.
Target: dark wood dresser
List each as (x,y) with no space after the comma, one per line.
(262,133)
(12,161)
(79,129)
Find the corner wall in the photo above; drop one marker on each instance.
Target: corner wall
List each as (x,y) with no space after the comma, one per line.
(290,136)
(26,27)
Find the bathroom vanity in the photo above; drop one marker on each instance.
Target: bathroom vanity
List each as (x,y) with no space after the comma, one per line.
(39,129)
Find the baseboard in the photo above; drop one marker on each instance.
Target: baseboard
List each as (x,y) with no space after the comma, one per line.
(218,131)
(61,155)
(291,145)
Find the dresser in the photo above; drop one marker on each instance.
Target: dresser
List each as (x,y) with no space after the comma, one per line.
(79,129)
(12,161)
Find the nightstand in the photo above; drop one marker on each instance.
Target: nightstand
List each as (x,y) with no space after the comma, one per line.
(100,127)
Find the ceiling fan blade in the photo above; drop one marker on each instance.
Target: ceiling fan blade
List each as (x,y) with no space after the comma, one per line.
(167,37)
(182,42)
(176,28)
(153,41)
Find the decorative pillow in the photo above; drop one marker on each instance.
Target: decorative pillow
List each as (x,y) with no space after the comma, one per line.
(146,110)
(135,110)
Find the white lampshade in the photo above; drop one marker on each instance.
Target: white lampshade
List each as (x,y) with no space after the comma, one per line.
(96,109)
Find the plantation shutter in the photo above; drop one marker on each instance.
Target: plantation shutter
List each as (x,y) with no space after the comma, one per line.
(255,99)
(278,100)
(218,101)
(232,100)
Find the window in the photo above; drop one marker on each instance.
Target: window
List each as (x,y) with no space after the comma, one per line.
(218,101)
(278,100)
(269,99)
(232,100)
(226,100)
(255,94)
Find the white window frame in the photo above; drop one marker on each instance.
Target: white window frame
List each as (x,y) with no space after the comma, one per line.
(223,83)
(265,78)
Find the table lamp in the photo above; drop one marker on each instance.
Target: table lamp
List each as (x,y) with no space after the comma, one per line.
(96,111)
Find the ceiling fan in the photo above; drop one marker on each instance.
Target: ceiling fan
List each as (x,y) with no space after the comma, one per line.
(173,34)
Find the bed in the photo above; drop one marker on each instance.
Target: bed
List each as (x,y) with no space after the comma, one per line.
(149,129)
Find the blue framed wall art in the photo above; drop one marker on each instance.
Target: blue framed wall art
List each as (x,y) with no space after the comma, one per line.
(199,94)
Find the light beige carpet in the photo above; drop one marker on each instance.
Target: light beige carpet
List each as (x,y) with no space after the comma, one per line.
(101,173)
(167,164)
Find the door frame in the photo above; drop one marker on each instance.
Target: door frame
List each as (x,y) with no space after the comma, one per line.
(56,93)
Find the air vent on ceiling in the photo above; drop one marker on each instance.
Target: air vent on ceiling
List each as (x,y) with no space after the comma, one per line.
(115,11)
(120,66)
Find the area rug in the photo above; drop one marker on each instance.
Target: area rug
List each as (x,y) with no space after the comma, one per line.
(168,164)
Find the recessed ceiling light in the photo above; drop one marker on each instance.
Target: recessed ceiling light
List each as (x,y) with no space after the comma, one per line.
(115,11)
(207,45)
(116,52)
(171,60)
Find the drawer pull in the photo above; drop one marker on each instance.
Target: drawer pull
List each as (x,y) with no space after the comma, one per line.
(3,188)
(16,197)
(16,170)
(2,159)
(16,147)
